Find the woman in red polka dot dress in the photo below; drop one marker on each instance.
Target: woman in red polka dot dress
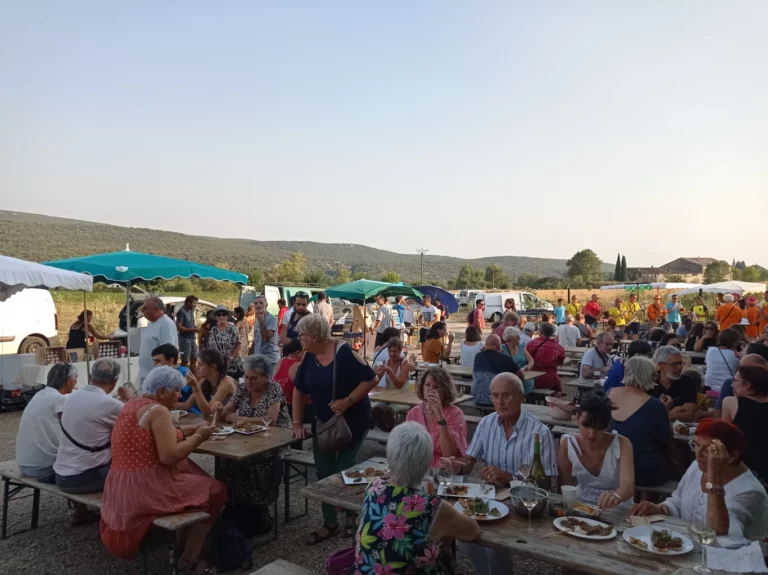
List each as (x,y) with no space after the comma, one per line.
(151,475)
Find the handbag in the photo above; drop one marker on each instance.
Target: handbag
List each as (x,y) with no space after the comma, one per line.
(340,562)
(334,434)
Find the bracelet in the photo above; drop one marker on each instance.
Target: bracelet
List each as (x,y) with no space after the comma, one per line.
(198,435)
(297,423)
(616,495)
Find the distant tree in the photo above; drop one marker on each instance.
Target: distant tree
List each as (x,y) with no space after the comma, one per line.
(292,270)
(735,274)
(343,276)
(391,277)
(469,277)
(495,277)
(617,271)
(674,278)
(763,274)
(717,272)
(623,268)
(751,274)
(587,265)
(527,280)
(317,278)
(549,283)
(256,278)
(741,265)
(360,276)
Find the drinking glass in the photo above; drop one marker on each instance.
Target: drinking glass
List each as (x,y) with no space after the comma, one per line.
(569,495)
(705,536)
(530,495)
(444,477)
(267,421)
(524,471)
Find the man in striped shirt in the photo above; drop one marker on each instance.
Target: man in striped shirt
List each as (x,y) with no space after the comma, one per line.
(504,441)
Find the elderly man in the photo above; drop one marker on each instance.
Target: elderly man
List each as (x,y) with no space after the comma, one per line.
(265,337)
(568,335)
(489,363)
(729,313)
(528,330)
(161,329)
(547,356)
(597,360)
(676,391)
(509,319)
(503,441)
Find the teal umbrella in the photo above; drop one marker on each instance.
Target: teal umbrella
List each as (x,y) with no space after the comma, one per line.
(361,290)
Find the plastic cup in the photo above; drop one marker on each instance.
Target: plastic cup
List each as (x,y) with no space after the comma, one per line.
(569,495)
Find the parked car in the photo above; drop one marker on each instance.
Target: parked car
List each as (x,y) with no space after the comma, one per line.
(28,320)
(525,302)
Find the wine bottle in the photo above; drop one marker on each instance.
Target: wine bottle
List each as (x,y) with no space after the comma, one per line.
(538,474)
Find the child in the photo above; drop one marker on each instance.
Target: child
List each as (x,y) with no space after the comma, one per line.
(560,312)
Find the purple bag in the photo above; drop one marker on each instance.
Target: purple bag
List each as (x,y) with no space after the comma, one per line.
(341,562)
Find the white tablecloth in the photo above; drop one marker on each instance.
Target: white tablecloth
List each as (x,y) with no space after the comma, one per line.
(35,375)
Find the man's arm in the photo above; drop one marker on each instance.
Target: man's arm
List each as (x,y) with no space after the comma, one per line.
(685,412)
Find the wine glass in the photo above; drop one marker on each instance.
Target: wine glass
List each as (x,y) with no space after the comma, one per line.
(705,536)
(530,495)
(524,471)
(444,477)
(267,420)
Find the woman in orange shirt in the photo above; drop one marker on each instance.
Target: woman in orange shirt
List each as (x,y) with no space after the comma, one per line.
(433,349)
(728,313)
(752,314)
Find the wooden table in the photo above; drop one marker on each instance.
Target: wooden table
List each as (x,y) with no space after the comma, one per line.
(404,396)
(510,535)
(543,414)
(573,350)
(466,372)
(695,354)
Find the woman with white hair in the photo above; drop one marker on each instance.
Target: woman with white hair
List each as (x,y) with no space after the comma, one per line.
(520,355)
(152,476)
(402,527)
(643,420)
(338,381)
(253,485)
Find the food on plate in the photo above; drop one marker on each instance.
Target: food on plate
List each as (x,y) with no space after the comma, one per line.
(476,506)
(457,490)
(663,541)
(219,429)
(584,528)
(682,429)
(638,543)
(248,427)
(494,512)
(585,508)
(367,472)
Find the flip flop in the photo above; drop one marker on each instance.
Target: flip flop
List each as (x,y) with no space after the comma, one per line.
(315,537)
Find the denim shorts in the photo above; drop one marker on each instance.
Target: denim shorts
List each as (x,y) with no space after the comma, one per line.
(187,348)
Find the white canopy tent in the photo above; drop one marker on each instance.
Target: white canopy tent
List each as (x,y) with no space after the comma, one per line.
(727,287)
(654,285)
(15,275)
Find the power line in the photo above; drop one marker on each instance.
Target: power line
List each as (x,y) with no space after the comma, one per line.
(422,251)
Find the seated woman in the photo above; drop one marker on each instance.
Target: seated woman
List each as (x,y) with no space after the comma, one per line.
(152,476)
(615,377)
(643,420)
(212,388)
(747,408)
(721,360)
(708,338)
(444,421)
(78,337)
(433,349)
(519,355)
(586,331)
(393,372)
(410,537)
(285,373)
(601,463)
(471,346)
(697,331)
(670,338)
(253,484)
(717,490)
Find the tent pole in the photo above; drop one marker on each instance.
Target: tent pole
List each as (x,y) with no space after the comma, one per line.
(87,340)
(128,379)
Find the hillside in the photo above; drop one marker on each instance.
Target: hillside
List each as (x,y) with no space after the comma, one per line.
(40,238)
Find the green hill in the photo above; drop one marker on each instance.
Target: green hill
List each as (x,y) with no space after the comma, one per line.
(41,238)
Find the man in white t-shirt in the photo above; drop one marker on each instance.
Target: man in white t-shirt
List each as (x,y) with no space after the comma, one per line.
(429,315)
(567,334)
(597,360)
(383,319)
(38,439)
(159,330)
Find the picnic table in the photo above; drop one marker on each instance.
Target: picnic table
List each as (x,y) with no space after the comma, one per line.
(466,372)
(574,350)
(695,354)
(509,535)
(404,396)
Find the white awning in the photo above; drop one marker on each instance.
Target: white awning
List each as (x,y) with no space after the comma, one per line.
(728,287)
(15,275)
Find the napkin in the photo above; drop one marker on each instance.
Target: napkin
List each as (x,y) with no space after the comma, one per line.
(638,521)
(747,559)
(502,493)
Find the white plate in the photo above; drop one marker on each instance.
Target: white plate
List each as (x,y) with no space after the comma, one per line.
(558,525)
(644,534)
(224,431)
(492,503)
(362,480)
(473,490)
(259,429)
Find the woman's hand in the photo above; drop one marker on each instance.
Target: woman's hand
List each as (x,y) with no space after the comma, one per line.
(645,508)
(380,370)
(216,406)
(205,431)
(717,454)
(339,406)
(192,381)
(298,430)
(608,500)
(232,418)
(432,397)
(452,464)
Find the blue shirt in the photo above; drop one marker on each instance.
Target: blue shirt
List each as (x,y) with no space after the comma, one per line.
(615,376)
(399,308)
(673,312)
(725,391)
(560,314)
(649,432)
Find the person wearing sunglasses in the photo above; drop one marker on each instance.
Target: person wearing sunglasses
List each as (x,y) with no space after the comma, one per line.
(676,391)
(289,329)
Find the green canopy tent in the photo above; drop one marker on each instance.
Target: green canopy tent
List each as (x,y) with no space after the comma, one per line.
(129,267)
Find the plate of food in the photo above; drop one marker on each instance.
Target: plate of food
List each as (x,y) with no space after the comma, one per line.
(585,509)
(481,509)
(365,475)
(467,490)
(249,428)
(658,541)
(585,528)
(221,431)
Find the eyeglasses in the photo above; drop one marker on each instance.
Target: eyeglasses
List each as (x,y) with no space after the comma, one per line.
(673,363)
(694,446)
(302,294)
(221,314)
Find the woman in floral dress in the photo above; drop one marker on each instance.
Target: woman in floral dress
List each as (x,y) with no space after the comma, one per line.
(225,338)
(401,526)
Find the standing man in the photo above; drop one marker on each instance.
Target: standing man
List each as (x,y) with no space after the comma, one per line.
(300,310)
(632,314)
(324,308)
(574,307)
(160,330)
(428,317)
(477,317)
(592,311)
(282,307)
(442,309)
(398,311)
(265,338)
(656,312)
(383,320)
(185,324)
(674,309)
(560,312)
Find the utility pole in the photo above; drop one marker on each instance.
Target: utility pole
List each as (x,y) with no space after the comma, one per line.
(493,276)
(422,251)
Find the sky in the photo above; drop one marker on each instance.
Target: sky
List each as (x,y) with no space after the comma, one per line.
(469,128)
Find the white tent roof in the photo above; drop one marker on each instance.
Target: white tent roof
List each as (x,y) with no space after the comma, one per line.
(15,275)
(654,285)
(727,287)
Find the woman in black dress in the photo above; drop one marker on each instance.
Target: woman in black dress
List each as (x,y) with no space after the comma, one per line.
(77,331)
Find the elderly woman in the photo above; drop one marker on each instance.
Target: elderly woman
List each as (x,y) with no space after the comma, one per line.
(643,420)
(152,476)
(599,461)
(212,387)
(252,485)
(747,408)
(408,537)
(717,490)
(586,331)
(509,319)
(722,361)
(519,355)
(338,381)
(444,421)
(225,339)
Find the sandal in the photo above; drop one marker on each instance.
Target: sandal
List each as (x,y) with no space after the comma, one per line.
(182,567)
(316,537)
(350,526)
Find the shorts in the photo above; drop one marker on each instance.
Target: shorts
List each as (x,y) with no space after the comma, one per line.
(187,349)
(89,481)
(633,328)
(674,325)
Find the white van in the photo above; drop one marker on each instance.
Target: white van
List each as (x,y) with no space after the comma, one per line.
(28,320)
(525,302)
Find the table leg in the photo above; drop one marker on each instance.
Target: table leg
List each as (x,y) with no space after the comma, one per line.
(275,461)
(6,493)
(35,507)
(287,487)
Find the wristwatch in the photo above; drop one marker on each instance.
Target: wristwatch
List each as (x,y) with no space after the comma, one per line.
(442,422)
(714,489)
(351,401)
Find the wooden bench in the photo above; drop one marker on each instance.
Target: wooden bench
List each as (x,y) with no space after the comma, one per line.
(15,483)
(558,430)
(473,419)
(484,409)
(282,567)
(296,463)
(538,396)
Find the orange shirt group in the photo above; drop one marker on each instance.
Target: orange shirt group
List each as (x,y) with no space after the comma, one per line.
(728,314)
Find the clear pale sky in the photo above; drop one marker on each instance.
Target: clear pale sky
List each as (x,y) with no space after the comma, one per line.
(470,128)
